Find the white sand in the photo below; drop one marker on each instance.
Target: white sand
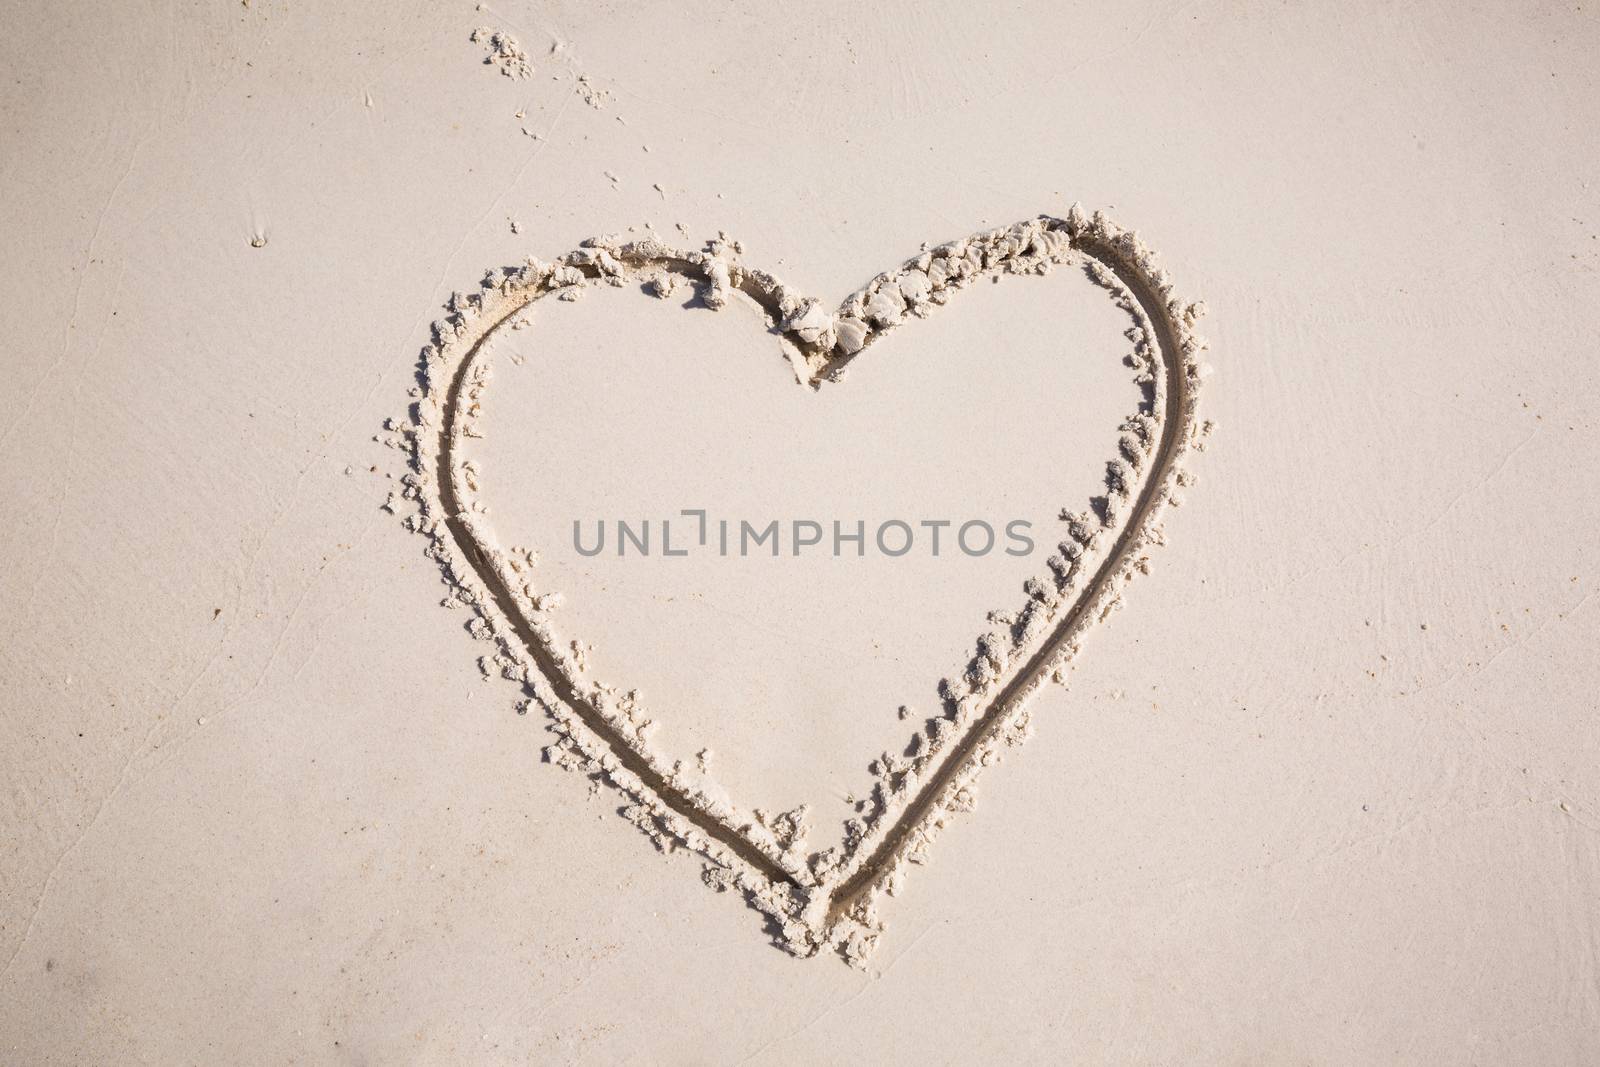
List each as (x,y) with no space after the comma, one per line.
(1322,791)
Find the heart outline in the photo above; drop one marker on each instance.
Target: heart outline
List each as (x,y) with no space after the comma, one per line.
(807,913)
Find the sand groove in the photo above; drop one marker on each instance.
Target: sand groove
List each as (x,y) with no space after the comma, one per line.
(821,899)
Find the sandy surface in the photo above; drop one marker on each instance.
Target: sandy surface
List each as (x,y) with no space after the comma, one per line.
(1323,790)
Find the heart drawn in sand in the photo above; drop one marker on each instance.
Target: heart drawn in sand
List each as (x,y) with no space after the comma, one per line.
(826,899)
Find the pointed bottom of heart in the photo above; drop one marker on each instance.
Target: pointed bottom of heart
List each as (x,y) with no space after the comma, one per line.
(828,899)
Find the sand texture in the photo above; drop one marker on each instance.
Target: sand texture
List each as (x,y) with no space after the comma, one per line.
(1262,730)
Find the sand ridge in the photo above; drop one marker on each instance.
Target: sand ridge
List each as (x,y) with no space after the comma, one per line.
(823,899)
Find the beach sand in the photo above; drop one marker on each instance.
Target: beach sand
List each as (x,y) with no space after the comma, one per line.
(322,742)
